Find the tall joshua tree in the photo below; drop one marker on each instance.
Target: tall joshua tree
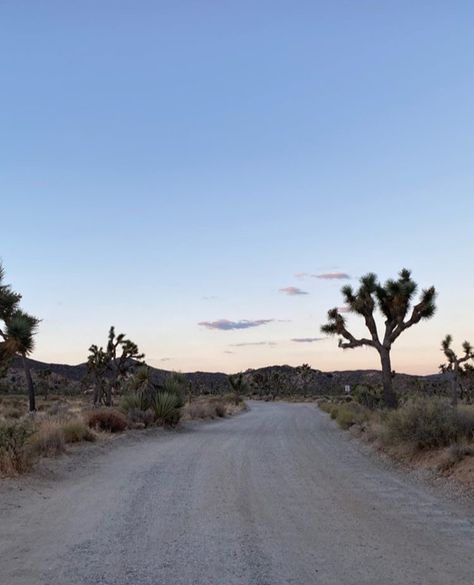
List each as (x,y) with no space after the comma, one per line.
(17,333)
(394,300)
(110,366)
(454,365)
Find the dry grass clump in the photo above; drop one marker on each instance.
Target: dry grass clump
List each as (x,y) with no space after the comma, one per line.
(106,419)
(15,456)
(48,440)
(75,431)
(213,407)
(455,454)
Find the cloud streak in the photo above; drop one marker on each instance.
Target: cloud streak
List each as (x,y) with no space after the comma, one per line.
(332,276)
(307,339)
(292,291)
(226,325)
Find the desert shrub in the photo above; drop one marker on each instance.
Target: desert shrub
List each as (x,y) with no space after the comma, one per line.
(106,419)
(454,454)
(138,417)
(349,414)
(15,456)
(48,440)
(220,408)
(58,408)
(197,410)
(367,396)
(465,421)
(13,412)
(166,409)
(428,423)
(76,430)
(130,402)
(325,406)
(175,384)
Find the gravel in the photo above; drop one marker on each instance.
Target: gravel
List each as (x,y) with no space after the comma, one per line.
(275,496)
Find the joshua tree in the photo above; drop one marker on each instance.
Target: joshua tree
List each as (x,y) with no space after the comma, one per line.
(454,365)
(305,375)
(110,366)
(17,333)
(394,299)
(238,385)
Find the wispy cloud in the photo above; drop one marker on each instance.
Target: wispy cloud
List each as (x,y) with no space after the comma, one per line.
(343,309)
(165,359)
(250,343)
(301,274)
(307,339)
(292,291)
(228,351)
(226,325)
(332,276)
(209,298)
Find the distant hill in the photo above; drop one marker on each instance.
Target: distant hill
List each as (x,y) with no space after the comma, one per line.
(68,378)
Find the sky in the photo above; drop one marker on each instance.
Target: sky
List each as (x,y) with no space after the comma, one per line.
(179,168)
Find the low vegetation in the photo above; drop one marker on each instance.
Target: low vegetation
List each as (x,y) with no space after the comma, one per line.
(420,426)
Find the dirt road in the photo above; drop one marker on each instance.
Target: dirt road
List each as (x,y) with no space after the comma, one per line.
(275,496)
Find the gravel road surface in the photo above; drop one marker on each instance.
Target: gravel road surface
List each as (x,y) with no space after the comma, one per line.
(275,496)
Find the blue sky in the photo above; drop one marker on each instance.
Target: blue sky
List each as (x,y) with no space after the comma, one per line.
(165,164)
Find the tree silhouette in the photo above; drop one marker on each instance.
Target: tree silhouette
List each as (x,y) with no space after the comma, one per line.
(394,300)
(454,365)
(17,333)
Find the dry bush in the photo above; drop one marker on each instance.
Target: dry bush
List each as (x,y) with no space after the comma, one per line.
(106,419)
(48,440)
(220,408)
(428,423)
(15,456)
(140,418)
(196,410)
(455,454)
(75,431)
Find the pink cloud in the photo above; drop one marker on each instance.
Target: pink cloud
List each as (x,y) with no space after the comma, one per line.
(226,325)
(293,291)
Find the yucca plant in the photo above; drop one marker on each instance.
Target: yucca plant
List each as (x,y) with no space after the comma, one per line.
(166,408)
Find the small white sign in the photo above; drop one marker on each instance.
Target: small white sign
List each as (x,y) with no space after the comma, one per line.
(347,389)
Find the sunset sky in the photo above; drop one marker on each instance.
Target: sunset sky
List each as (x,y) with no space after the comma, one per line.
(184,169)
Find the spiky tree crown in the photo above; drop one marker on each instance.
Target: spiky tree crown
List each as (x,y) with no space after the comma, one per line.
(453,360)
(394,299)
(19,328)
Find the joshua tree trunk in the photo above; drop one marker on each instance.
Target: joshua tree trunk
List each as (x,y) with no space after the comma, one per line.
(454,386)
(389,396)
(29,381)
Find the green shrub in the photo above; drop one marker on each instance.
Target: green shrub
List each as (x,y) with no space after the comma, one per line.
(349,414)
(428,423)
(15,456)
(106,419)
(76,431)
(130,402)
(175,384)
(367,396)
(166,408)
